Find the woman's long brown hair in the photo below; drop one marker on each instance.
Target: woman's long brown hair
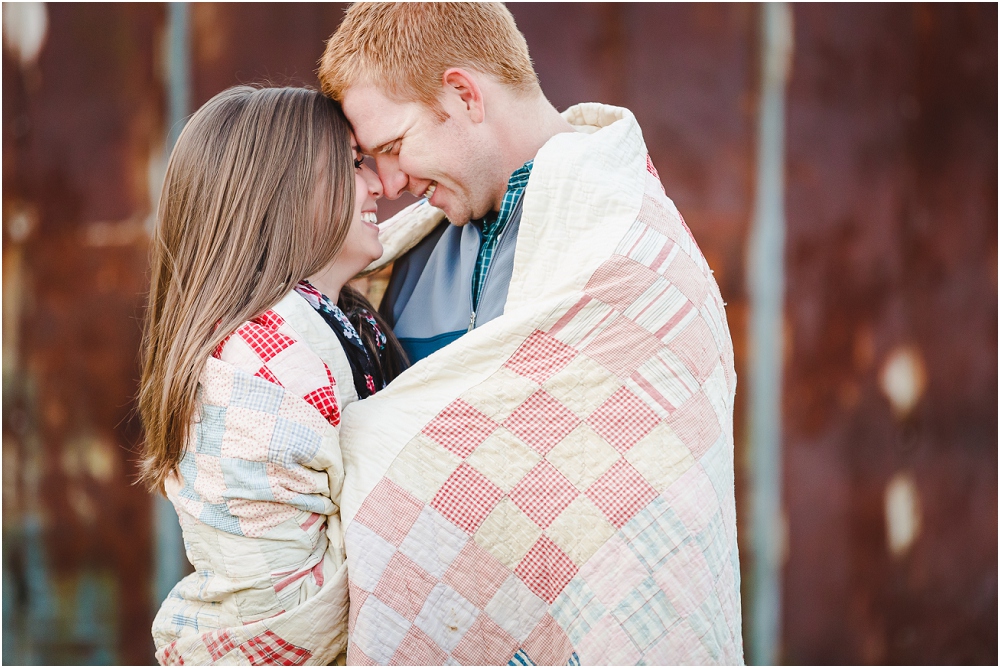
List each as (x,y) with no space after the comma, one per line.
(258,195)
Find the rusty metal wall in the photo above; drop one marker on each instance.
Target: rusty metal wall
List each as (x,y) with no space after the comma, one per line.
(79,128)
(891,376)
(891,320)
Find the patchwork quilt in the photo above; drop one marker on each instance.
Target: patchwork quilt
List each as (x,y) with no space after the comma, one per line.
(257,496)
(556,487)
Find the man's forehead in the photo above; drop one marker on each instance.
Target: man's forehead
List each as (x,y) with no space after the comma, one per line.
(376,118)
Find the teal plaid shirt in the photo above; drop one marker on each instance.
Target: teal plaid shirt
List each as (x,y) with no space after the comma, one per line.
(494,225)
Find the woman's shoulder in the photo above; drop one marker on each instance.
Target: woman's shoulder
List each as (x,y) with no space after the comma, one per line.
(269,348)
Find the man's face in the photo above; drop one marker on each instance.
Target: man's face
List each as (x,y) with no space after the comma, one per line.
(447,161)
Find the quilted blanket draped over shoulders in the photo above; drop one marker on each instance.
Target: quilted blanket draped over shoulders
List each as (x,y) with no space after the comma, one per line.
(557,485)
(257,496)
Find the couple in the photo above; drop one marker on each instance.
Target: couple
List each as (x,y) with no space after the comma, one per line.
(541,471)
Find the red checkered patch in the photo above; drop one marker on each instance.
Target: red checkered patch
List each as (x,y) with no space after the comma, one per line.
(621,493)
(389,511)
(265,373)
(485,643)
(219,643)
(623,420)
(324,400)
(270,649)
(171,657)
(404,586)
(466,498)
(263,338)
(546,569)
(619,281)
(540,357)
(460,428)
(541,421)
(417,649)
(543,494)
(476,574)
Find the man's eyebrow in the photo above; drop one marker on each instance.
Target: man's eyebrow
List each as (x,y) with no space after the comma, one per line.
(383,147)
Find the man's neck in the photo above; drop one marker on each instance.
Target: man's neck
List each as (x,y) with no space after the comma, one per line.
(529,125)
(526,124)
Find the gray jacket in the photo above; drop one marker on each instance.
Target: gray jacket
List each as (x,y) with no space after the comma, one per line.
(429,299)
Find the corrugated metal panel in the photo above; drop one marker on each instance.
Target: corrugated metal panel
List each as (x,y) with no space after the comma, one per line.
(80,127)
(892,292)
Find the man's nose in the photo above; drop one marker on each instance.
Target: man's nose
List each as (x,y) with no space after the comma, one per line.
(393,179)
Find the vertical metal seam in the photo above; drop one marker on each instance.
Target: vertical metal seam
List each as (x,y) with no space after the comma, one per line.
(765,279)
(169,557)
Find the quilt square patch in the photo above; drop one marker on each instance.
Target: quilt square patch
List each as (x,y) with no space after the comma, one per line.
(270,649)
(621,493)
(608,644)
(623,420)
(368,556)
(541,422)
(660,457)
(696,424)
(466,498)
(685,578)
(548,644)
(582,385)
(583,456)
(446,616)
(422,467)
(379,630)
(581,530)
(219,643)
(476,574)
(543,494)
(540,356)
(507,534)
(696,346)
(516,609)
(404,586)
(577,609)
(503,458)
(484,644)
(546,569)
(619,281)
(623,347)
(688,277)
(390,511)
(645,614)
(433,542)
(460,428)
(416,649)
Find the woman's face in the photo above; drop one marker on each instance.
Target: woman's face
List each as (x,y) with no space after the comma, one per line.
(362,247)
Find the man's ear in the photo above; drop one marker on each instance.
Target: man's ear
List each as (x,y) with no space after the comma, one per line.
(463,91)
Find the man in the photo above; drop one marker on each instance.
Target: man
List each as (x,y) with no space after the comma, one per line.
(439,142)
(555,485)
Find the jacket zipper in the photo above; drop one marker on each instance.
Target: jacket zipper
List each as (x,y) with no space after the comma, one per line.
(482,285)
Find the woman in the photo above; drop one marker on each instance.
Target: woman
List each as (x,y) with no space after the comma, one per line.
(253,345)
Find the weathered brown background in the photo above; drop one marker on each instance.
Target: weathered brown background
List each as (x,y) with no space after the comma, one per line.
(891,168)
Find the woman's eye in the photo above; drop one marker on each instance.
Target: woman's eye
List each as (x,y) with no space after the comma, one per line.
(358,162)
